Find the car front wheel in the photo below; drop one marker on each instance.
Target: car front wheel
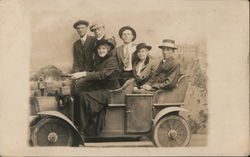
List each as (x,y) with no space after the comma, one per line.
(52,132)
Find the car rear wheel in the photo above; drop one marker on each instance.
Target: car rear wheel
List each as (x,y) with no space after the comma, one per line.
(52,132)
(171,131)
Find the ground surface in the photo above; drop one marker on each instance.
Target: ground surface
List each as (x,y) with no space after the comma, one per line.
(197,140)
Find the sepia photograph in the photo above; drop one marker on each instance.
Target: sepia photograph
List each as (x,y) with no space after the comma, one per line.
(105,80)
(139,75)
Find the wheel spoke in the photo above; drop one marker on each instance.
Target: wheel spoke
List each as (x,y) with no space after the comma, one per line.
(165,126)
(180,138)
(180,128)
(182,131)
(166,142)
(182,134)
(175,143)
(177,126)
(163,137)
(169,125)
(174,123)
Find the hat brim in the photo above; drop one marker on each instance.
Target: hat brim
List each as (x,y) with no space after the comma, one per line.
(86,23)
(162,46)
(104,42)
(95,27)
(147,47)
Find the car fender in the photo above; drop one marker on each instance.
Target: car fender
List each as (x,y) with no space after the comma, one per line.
(63,117)
(167,111)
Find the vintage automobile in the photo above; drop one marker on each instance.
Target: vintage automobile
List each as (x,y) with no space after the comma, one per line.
(128,115)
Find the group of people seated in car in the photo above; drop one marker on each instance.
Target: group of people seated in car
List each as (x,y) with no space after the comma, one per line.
(100,65)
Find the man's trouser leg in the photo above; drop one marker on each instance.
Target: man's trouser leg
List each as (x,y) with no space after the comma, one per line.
(77,87)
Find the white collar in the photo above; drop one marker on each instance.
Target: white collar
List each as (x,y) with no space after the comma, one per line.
(100,37)
(84,37)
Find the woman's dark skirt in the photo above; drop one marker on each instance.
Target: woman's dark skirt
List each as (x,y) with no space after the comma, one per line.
(91,111)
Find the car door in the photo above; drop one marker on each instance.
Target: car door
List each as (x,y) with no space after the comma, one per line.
(138,116)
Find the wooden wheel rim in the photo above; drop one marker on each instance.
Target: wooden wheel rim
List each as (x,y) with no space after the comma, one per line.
(52,132)
(171,131)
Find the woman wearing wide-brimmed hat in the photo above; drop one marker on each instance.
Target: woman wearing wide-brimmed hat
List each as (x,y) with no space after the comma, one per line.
(93,91)
(144,65)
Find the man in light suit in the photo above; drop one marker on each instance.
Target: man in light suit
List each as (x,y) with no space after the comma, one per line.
(98,29)
(125,53)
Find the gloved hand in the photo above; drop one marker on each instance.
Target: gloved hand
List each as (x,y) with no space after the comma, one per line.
(156,86)
(78,75)
(146,87)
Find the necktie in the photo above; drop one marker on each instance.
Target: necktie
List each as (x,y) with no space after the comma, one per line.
(126,57)
(82,40)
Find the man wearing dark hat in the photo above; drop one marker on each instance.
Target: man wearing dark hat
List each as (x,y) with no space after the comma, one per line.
(83,48)
(168,71)
(125,53)
(99,30)
(83,59)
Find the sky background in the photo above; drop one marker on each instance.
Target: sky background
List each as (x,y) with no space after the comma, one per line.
(52,34)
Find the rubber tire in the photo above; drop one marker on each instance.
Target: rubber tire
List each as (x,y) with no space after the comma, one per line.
(64,132)
(159,142)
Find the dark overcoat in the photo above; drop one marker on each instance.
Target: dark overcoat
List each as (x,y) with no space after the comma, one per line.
(94,92)
(166,74)
(83,54)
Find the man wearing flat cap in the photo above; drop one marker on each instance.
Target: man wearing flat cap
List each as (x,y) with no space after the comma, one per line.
(83,48)
(125,53)
(167,72)
(98,29)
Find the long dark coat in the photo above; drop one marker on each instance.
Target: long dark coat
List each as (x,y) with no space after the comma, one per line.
(83,54)
(103,76)
(166,75)
(94,92)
